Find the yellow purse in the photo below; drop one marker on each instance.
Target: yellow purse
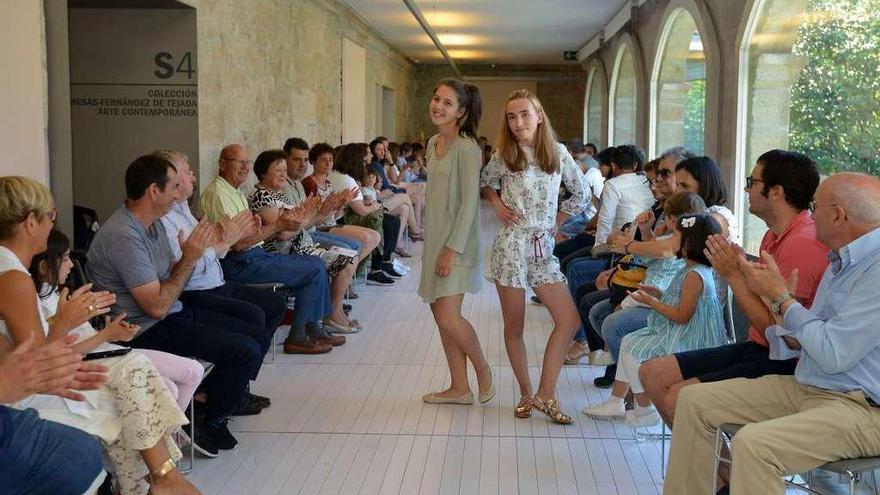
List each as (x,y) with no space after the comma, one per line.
(627,276)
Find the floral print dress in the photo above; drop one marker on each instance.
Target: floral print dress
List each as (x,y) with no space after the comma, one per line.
(301,244)
(522,255)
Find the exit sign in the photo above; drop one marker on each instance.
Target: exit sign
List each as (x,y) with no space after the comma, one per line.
(570,55)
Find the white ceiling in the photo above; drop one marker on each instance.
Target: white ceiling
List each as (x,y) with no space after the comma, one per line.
(490,31)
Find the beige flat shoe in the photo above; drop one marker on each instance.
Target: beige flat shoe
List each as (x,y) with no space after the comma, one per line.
(486,396)
(432,398)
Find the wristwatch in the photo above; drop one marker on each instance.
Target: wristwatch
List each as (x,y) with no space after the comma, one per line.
(776,304)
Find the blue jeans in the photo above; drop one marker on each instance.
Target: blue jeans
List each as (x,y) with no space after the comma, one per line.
(568,246)
(573,226)
(616,325)
(326,238)
(43,457)
(588,332)
(304,275)
(584,271)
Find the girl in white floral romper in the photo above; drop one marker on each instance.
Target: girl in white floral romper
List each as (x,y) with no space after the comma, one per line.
(528,168)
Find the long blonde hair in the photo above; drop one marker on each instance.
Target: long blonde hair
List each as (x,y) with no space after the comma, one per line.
(508,149)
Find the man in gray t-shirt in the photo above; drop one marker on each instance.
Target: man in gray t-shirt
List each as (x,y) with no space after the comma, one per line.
(125,254)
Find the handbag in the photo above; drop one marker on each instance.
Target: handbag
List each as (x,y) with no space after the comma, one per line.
(627,276)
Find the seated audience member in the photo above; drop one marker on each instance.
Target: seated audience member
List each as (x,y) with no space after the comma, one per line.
(132,413)
(298,163)
(38,456)
(405,201)
(50,270)
(131,257)
(685,316)
(780,189)
(247,263)
(212,299)
(351,169)
(700,174)
(268,201)
(625,195)
(828,410)
(593,183)
(581,243)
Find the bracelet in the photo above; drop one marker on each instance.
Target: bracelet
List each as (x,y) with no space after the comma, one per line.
(164,469)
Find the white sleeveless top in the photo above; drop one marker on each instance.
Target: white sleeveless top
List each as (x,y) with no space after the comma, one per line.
(97,415)
(9,262)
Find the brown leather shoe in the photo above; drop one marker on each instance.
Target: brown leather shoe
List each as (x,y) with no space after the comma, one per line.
(332,340)
(312,347)
(324,337)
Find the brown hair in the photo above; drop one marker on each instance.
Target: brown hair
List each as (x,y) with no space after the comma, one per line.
(509,150)
(468,98)
(684,203)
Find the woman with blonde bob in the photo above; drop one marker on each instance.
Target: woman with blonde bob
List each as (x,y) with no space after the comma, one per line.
(528,168)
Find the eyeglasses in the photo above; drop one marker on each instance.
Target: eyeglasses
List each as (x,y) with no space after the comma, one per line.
(751,180)
(664,173)
(246,162)
(649,182)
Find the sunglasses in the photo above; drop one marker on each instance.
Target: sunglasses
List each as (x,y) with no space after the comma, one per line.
(665,173)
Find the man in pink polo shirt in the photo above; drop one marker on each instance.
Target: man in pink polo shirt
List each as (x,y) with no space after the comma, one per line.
(780,189)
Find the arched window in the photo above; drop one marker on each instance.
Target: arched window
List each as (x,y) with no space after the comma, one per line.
(593,107)
(679,87)
(810,82)
(622,117)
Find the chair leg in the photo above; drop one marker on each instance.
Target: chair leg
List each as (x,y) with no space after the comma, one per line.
(719,443)
(663,449)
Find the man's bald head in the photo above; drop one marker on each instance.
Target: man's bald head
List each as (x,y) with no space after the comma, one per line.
(858,195)
(235,164)
(847,207)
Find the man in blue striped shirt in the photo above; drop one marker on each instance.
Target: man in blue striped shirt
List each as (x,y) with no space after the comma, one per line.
(829,409)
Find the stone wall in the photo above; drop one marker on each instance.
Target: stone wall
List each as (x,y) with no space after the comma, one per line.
(559,87)
(271,69)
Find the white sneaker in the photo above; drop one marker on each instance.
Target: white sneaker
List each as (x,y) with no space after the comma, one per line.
(635,420)
(610,409)
(400,267)
(600,358)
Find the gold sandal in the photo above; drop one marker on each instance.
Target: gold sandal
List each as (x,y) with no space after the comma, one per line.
(524,408)
(550,407)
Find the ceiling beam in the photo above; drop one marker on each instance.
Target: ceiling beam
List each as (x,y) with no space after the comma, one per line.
(411,5)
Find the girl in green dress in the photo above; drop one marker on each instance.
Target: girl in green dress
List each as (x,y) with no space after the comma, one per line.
(450,262)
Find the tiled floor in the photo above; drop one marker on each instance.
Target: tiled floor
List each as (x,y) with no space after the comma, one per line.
(352,422)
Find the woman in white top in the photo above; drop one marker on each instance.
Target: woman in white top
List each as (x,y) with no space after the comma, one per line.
(133,413)
(527,168)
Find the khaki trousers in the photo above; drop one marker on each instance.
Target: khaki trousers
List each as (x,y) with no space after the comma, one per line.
(791,428)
